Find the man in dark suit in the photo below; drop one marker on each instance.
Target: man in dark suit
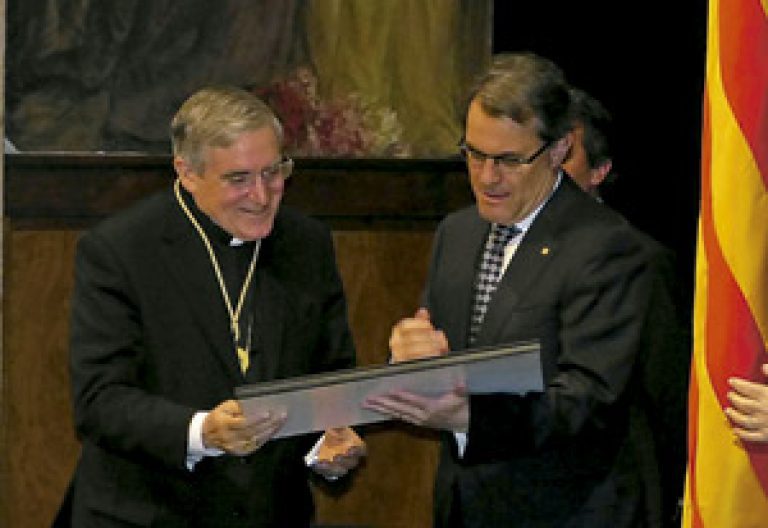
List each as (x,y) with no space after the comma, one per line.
(665,344)
(190,293)
(573,276)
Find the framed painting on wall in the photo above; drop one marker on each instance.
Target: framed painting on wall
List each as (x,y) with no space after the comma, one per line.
(355,78)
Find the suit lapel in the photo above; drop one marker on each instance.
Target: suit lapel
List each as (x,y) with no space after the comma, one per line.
(539,247)
(529,262)
(463,271)
(191,271)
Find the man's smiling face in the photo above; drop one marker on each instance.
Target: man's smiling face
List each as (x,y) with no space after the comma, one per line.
(230,189)
(507,195)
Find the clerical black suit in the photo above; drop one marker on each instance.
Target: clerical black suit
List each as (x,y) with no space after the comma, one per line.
(578,282)
(151,345)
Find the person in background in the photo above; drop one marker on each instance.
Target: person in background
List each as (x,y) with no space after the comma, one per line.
(205,286)
(589,161)
(534,258)
(665,342)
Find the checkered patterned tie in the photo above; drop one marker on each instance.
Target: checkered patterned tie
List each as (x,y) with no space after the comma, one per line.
(488,274)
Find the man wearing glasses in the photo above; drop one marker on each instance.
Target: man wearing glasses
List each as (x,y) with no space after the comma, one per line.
(535,257)
(194,291)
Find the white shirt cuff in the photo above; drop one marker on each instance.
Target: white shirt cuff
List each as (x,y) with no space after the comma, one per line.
(461,443)
(196,451)
(311,458)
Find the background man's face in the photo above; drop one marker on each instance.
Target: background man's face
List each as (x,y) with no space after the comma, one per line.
(577,164)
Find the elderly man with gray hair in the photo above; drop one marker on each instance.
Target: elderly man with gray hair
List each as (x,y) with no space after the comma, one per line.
(205,286)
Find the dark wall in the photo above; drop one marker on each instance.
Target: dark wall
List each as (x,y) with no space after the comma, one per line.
(645,63)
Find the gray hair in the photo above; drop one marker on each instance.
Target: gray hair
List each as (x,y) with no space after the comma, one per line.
(216,117)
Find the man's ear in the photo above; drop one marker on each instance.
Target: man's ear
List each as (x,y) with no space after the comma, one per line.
(571,135)
(599,173)
(559,151)
(187,175)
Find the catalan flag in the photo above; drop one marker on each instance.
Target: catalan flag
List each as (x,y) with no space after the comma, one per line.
(727,480)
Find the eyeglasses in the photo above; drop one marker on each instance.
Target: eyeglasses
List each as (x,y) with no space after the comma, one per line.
(271,176)
(476,158)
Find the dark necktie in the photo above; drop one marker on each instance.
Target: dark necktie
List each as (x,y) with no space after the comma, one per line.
(488,274)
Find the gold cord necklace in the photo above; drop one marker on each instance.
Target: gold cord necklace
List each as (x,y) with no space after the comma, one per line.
(243,355)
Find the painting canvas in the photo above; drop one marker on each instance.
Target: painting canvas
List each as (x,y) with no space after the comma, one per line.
(349,78)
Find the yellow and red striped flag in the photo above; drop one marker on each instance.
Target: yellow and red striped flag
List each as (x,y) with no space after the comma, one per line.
(727,480)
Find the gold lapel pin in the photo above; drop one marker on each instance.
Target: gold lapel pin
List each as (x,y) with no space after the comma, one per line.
(545,251)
